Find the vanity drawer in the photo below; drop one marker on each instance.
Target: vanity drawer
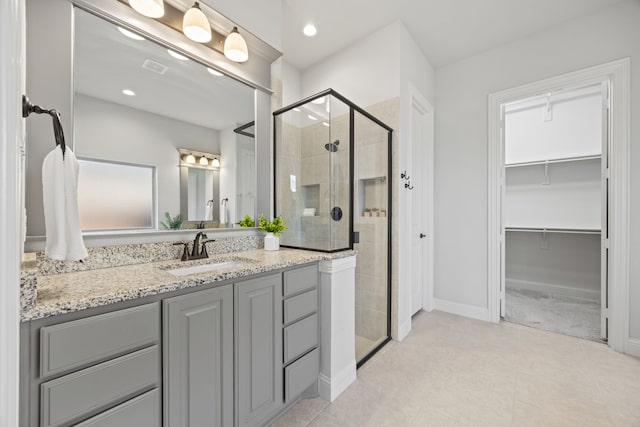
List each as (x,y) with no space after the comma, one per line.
(81,342)
(142,411)
(300,337)
(300,280)
(72,396)
(300,306)
(301,374)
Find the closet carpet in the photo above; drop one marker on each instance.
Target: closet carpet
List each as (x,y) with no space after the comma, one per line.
(455,371)
(566,315)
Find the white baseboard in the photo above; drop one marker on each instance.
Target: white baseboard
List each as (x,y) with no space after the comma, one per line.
(472,311)
(633,347)
(554,289)
(404,330)
(330,388)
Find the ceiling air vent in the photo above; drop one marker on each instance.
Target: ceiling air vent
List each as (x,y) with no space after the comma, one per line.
(154,66)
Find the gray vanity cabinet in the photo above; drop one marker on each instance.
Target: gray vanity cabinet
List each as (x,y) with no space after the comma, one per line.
(198,358)
(258,350)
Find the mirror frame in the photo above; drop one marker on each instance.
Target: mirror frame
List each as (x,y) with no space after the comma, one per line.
(44,69)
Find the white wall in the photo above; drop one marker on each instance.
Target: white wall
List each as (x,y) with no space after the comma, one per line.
(291,91)
(461,139)
(108,131)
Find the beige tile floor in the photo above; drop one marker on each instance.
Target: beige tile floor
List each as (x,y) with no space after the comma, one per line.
(454,371)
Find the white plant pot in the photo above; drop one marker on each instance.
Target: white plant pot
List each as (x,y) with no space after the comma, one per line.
(271,242)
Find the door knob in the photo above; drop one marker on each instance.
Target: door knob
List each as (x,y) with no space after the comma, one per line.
(422,236)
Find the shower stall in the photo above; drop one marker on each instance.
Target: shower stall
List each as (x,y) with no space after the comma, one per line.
(332,188)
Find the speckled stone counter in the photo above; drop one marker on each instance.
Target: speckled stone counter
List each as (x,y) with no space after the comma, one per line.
(74,291)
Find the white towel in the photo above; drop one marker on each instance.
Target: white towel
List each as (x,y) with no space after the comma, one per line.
(60,197)
(223,214)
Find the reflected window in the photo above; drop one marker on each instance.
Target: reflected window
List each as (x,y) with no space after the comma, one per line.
(115,196)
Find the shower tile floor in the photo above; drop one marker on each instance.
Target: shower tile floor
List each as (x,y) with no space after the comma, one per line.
(364,346)
(566,315)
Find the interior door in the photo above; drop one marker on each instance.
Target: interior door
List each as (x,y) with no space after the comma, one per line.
(503,269)
(416,198)
(604,235)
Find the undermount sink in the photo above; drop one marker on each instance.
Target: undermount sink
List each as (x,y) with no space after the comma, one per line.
(204,268)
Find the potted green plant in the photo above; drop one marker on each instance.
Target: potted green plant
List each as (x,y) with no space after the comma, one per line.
(374,212)
(273,228)
(367,212)
(172,223)
(247,221)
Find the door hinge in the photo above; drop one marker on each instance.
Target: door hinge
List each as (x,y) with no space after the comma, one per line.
(604,312)
(605,173)
(605,243)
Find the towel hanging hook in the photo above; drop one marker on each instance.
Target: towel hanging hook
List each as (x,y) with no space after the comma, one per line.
(28,108)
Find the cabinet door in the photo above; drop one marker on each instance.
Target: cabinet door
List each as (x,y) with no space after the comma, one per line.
(259,349)
(198,359)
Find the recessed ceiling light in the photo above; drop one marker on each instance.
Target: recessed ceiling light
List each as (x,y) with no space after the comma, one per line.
(311,117)
(214,72)
(130,34)
(310,30)
(177,55)
(128,92)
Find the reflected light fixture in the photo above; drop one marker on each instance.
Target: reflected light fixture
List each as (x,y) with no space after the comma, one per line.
(195,25)
(235,47)
(214,72)
(215,162)
(311,117)
(203,161)
(190,159)
(326,124)
(130,34)
(177,55)
(150,8)
(128,92)
(310,30)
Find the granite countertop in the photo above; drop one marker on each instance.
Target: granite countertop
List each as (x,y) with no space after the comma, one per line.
(69,292)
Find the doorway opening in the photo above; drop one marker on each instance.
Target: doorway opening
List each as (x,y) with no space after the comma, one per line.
(617,74)
(554,210)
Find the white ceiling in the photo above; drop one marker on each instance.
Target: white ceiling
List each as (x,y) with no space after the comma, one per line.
(445,30)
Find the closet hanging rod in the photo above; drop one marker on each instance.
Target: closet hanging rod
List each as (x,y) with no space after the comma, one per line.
(564,160)
(554,230)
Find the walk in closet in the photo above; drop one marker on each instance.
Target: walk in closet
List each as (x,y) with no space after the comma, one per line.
(554,211)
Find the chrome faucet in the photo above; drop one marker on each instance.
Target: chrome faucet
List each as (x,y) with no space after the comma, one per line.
(198,250)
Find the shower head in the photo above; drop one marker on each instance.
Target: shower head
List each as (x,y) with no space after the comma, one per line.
(332,147)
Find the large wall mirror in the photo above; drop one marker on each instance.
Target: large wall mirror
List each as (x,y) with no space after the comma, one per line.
(135,104)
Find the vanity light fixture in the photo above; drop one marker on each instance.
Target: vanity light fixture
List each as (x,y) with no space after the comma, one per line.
(177,55)
(214,72)
(130,34)
(128,92)
(203,161)
(235,47)
(310,30)
(215,162)
(150,8)
(190,159)
(195,25)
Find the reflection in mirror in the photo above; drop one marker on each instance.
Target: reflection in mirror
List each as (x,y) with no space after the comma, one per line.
(199,186)
(136,102)
(115,196)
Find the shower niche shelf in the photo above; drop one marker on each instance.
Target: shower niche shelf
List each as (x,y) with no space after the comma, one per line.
(372,194)
(310,197)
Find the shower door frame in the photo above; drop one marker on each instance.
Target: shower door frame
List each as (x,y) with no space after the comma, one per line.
(353,108)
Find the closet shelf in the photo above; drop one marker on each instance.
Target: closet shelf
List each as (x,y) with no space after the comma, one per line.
(549,161)
(554,230)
